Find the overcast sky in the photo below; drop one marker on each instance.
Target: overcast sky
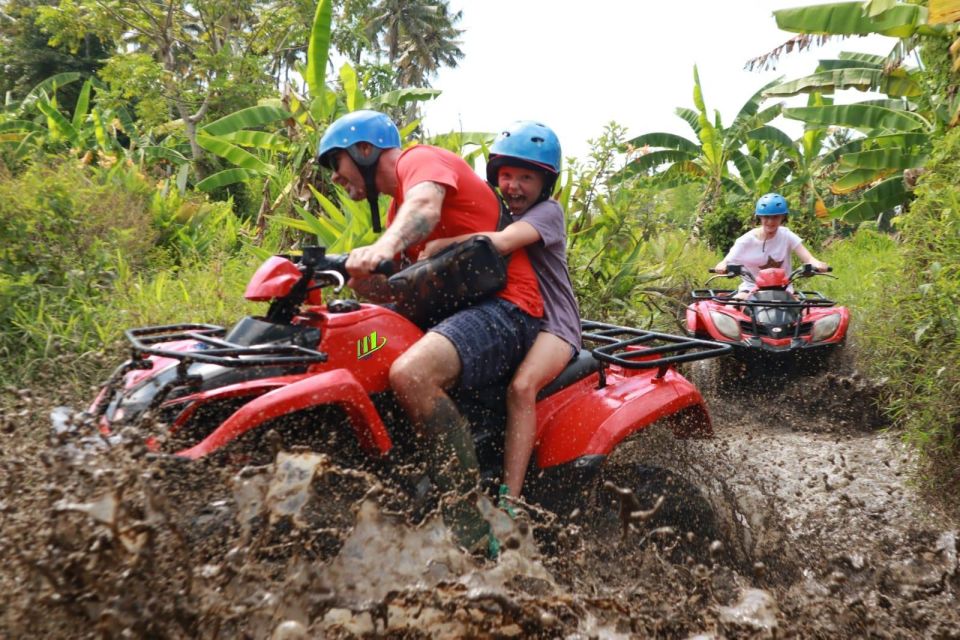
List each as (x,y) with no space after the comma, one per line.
(577,66)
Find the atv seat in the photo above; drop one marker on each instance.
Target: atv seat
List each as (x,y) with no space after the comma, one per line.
(580,366)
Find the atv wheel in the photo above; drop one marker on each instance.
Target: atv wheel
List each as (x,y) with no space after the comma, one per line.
(654,503)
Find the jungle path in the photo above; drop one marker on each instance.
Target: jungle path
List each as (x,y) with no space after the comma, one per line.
(818,533)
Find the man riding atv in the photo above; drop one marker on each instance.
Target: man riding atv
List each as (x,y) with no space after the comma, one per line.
(435,195)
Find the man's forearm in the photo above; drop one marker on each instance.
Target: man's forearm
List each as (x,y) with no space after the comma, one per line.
(416,218)
(411,227)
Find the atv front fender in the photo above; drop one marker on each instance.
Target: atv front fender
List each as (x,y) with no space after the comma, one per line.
(337,387)
(588,421)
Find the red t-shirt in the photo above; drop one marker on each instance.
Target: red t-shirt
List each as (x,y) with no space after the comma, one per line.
(469,206)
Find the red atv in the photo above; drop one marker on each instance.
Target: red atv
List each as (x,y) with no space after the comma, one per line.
(317,374)
(772,327)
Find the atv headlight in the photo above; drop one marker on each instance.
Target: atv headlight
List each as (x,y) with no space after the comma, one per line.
(726,325)
(825,327)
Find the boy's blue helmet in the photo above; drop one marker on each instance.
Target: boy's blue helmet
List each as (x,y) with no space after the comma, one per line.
(526,144)
(345,132)
(772,204)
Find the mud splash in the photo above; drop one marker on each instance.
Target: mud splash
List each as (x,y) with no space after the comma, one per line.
(789,531)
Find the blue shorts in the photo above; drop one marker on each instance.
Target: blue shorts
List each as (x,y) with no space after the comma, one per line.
(491,337)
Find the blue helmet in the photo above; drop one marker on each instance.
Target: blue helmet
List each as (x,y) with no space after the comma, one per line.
(345,132)
(527,144)
(358,126)
(772,204)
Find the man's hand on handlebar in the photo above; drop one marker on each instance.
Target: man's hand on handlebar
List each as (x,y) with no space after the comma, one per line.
(364,261)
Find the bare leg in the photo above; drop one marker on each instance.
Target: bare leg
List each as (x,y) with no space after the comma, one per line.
(419,378)
(546,358)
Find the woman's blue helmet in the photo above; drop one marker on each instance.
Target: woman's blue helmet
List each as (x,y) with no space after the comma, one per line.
(772,204)
(345,132)
(526,144)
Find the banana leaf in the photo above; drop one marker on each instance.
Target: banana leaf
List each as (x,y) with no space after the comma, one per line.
(246,119)
(666,140)
(858,116)
(235,154)
(226,177)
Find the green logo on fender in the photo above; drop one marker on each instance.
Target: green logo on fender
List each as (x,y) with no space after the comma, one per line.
(369,344)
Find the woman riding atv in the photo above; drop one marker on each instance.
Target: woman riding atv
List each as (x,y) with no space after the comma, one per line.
(769,245)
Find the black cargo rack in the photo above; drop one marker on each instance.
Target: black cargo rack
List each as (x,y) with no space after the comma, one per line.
(217,351)
(804,299)
(667,348)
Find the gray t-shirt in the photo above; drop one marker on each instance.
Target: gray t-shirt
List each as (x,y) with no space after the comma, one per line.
(561,316)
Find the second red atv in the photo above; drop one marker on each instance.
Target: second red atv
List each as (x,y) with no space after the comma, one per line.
(772,327)
(317,374)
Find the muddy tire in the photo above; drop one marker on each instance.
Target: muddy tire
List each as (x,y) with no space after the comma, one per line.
(642,502)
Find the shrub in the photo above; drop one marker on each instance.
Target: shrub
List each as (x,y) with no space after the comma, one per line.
(726,223)
(78,241)
(922,355)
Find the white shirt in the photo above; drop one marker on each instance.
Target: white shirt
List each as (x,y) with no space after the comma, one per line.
(756,253)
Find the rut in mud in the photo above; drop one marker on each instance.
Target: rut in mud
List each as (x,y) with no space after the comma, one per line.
(798,526)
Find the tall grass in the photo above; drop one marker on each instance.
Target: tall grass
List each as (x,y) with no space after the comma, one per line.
(88,253)
(866,266)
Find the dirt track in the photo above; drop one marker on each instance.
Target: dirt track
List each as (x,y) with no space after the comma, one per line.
(818,535)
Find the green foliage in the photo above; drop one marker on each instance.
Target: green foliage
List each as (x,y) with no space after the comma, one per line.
(867,266)
(75,238)
(625,261)
(922,355)
(726,223)
(27,58)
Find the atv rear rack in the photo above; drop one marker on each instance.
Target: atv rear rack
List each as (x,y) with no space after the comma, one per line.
(804,299)
(619,346)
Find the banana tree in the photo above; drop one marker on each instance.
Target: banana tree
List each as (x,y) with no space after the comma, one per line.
(282,160)
(707,159)
(893,141)
(37,121)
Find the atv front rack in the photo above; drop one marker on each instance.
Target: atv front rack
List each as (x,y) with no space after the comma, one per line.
(213,350)
(804,299)
(639,349)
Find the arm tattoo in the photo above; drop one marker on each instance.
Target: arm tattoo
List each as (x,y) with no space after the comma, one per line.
(415,225)
(438,188)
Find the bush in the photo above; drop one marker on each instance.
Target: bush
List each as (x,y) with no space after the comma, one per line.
(726,223)
(78,243)
(922,356)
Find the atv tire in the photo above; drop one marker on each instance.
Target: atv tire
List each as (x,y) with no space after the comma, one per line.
(629,500)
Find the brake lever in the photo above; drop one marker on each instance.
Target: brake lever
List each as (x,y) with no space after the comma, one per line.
(337,277)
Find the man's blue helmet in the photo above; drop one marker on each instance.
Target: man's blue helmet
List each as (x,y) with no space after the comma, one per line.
(772,204)
(526,144)
(358,126)
(345,132)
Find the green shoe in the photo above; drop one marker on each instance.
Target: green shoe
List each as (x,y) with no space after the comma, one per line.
(504,503)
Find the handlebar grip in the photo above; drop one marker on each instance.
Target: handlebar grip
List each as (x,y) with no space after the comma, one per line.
(386,268)
(712,270)
(829,268)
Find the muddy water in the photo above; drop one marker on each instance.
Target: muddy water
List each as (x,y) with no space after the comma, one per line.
(811,530)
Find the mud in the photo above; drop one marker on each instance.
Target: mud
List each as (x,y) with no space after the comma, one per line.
(793,521)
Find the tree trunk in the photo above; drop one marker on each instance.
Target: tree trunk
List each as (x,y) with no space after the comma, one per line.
(707,204)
